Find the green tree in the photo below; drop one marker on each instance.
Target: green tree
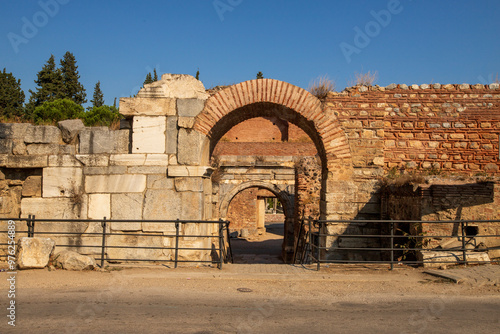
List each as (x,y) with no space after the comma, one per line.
(98,100)
(149,79)
(155,76)
(71,86)
(198,75)
(58,110)
(260,75)
(49,82)
(100,116)
(11,96)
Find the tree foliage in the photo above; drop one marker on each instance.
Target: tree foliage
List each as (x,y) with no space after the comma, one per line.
(155,76)
(260,75)
(71,86)
(58,110)
(49,82)
(148,80)
(100,116)
(98,98)
(11,96)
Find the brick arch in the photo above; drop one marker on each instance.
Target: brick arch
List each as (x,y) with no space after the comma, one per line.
(318,121)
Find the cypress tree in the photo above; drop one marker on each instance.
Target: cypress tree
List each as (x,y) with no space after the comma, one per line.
(198,75)
(72,88)
(149,79)
(155,76)
(11,96)
(49,82)
(98,99)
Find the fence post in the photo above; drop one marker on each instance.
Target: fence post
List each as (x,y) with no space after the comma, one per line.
(221,236)
(176,242)
(103,250)
(28,223)
(392,245)
(463,243)
(318,253)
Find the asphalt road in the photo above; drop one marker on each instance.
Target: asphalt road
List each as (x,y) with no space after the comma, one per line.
(164,301)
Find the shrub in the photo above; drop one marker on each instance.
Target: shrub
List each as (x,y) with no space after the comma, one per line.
(55,111)
(321,87)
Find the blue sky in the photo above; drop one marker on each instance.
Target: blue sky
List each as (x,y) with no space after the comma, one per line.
(119,42)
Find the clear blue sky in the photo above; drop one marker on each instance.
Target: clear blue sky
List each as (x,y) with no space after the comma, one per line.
(119,42)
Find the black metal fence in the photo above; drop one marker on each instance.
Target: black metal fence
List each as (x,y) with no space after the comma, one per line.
(401,242)
(177,230)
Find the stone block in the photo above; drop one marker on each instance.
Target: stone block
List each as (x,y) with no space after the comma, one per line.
(34,253)
(42,149)
(160,182)
(51,208)
(127,159)
(25,161)
(148,134)
(189,184)
(126,206)
(18,147)
(190,107)
(186,122)
(70,260)
(99,206)
(13,130)
(179,86)
(64,161)
(192,206)
(156,160)
(171,135)
(147,170)
(42,134)
(104,170)
(61,181)
(147,106)
(32,186)
(103,140)
(137,253)
(191,171)
(438,258)
(6,146)
(70,128)
(164,205)
(124,183)
(190,142)
(93,160)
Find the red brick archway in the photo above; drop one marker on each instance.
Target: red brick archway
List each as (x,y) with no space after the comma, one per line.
(249,98)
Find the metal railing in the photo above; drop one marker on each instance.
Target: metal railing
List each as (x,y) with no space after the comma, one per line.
(220,249)
(398,244)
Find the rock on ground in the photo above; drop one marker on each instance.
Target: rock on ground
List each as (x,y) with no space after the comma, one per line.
(70,260)
(34,253)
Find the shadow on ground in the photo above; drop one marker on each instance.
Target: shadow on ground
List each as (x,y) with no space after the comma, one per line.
(262,249)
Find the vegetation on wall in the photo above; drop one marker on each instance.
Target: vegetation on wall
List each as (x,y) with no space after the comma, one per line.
(321,87)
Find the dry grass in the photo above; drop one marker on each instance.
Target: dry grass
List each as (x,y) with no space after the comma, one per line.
(321,87)
(364,79)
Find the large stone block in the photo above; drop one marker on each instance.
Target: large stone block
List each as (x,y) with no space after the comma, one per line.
(93,160)
(62,182)
(127,159)
(147,106)
(13,130)
(6,146)
(190,142)
(26,161)
(137,253)
(70,260)
(171,135)
(192,171)
(164,205)
(51,208)
(103,140)
(190,107)
(34,253)
(189,184)
(99,206)
(192,206)
(42,149)
(126,183)
(156,160)
(148,135)
(180,86)
(42,134)
(160,181)
(126,206)
(70,128)
(64,161)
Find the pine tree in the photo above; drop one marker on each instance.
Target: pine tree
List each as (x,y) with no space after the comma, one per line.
(155,76)
(11,96)
(149,79)
(114,103)
(260,75)
(49,82)
(197,75)
(98,99)
(72,88)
